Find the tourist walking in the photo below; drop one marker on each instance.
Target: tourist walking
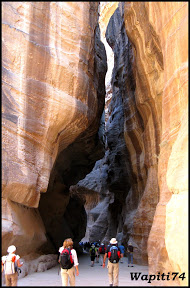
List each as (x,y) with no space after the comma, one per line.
(10,264)
(93,254)
(69,263)
(122,248)
(114,254)
(130,254)
(97,245)
(102,250)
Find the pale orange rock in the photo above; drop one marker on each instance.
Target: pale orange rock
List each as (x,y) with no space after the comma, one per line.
(143,120)
(106,10)
(163,27)
(22,226)
(49,95)
(49,98)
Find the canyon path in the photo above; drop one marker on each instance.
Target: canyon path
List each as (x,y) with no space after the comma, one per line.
(88,276)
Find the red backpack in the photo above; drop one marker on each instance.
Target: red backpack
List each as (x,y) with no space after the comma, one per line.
(114,254)
(66,260)
(102,249)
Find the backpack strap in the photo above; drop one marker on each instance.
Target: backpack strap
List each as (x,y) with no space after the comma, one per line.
(70,254)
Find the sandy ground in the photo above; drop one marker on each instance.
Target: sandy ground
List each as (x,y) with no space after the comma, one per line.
(88,276)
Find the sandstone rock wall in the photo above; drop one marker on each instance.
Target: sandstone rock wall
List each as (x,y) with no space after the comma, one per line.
(112,177)
(106,10)
(47,83)
(158,32)
(54,67)
(53,91)
(150,76)
(143,114)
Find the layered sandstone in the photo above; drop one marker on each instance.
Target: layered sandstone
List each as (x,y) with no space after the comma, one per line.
(153,89)
(158,32)
(106,10)
(143,114)
(47,83)
(54,67)
(53,91)
(112,177)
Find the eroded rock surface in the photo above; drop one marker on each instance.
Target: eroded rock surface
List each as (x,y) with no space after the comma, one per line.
(150,72)
(53,92)
(167,22)
(54,67)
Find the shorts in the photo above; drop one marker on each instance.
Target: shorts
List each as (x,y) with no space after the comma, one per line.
(92,257)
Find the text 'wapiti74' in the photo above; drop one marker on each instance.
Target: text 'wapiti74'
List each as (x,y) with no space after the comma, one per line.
(162,277)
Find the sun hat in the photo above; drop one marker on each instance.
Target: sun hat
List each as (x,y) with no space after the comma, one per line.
(11,249)
(113,241)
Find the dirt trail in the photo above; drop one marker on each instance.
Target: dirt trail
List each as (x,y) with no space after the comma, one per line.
(88,276)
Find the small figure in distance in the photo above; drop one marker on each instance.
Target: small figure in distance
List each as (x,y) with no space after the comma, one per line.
(130,253)
(102,250)
(122,248)
(93,254)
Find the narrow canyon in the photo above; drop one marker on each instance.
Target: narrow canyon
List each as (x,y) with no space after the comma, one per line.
(95,129)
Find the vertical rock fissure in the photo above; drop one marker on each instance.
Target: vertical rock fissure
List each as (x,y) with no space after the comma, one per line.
(127,203)
(112,176)
(62,207)
(69,166)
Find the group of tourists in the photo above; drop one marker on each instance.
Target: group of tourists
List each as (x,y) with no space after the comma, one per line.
(97,251)
(94,252)
(69,261)
(115,254)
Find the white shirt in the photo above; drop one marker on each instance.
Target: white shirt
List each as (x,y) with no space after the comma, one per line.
(74,255)
(10,255)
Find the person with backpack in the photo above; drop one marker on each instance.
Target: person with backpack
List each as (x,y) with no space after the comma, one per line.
(93,254)
(130,254)
(102,250)
(10,264)
(97,245)
(122,248)
(69,262)
(114,254)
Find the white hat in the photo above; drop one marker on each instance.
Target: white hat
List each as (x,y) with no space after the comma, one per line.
(11,249)
(113,241)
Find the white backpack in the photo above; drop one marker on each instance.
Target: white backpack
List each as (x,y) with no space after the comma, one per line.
(10,266)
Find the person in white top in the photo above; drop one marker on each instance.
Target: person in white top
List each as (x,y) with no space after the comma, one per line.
(69,274)
(9,265)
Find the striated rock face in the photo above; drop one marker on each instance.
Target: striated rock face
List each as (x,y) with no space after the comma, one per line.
(143,114)
(47,83)
(149,86)
(106,10)
(54,67)
(53,92)
(20,224)
(112,176)
(72,164)
(158,32)
(131,162)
